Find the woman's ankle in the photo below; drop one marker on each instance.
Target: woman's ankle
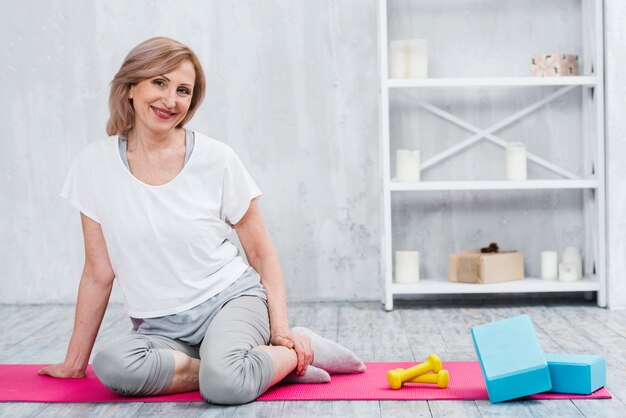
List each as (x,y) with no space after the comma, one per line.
(186,374)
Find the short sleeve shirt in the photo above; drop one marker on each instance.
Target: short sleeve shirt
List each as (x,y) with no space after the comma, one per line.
(169,244)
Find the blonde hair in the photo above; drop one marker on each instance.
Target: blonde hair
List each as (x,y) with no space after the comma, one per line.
(155,56)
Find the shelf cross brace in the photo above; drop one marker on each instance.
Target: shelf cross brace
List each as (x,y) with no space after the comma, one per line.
(488,133)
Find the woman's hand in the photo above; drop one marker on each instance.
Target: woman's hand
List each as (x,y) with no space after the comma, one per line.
(61,371)
(301,344)
(262,257)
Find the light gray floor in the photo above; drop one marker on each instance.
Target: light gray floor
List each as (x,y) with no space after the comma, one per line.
(39,334)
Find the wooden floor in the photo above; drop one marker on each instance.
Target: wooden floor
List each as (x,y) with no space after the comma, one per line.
(39,334)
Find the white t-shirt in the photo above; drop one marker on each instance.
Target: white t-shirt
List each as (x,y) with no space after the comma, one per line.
(168,244)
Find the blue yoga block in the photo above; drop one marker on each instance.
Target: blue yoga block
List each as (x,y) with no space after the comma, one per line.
(511,358)
(576,373)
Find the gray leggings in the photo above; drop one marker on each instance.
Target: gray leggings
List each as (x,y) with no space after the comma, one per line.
(232,371)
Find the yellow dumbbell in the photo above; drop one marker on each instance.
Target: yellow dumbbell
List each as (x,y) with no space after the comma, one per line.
(441,378)
(398,378)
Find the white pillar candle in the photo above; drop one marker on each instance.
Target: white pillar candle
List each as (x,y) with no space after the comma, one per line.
(567,272)
(515,161)
(549,265)
(398,56)
(573,255)
(407,266)
(417,65)
(407,165)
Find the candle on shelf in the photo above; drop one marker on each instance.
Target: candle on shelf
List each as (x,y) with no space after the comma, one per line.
(573,255)
(398,56)
(407,165)
(417,65)
(568,272)
(407,267)
(515,161)
(549,265)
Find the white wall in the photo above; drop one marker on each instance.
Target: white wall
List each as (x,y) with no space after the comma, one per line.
(292,87)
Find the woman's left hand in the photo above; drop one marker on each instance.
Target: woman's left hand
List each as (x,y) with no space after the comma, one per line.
(302,345)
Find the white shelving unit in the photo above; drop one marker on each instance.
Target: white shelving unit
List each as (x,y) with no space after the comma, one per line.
(593,184)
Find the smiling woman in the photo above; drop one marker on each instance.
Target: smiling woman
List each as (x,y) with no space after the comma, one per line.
(167,97)
(149,62)
(158,204)
(160,104)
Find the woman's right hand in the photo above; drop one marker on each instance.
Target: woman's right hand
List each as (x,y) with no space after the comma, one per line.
(61,371)
(94,290)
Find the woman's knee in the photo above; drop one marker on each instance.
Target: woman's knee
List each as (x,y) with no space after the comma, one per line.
(134,371)
(236,382)
(108,364)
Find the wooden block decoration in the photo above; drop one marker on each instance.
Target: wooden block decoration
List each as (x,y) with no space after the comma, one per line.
(511,358)
(576,373)
(471,266)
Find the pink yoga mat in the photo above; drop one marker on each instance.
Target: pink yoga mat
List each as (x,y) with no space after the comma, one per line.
(20,382)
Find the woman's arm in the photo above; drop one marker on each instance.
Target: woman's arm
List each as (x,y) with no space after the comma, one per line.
(262,257)
(93,296)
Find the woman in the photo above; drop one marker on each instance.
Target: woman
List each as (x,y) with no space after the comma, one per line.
(157,205)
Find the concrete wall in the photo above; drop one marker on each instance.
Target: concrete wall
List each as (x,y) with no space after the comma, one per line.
(293,88)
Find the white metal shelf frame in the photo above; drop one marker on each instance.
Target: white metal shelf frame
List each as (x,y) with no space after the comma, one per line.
(587,81)
(488,132)
(593,188)
(492,185)
(527,285)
